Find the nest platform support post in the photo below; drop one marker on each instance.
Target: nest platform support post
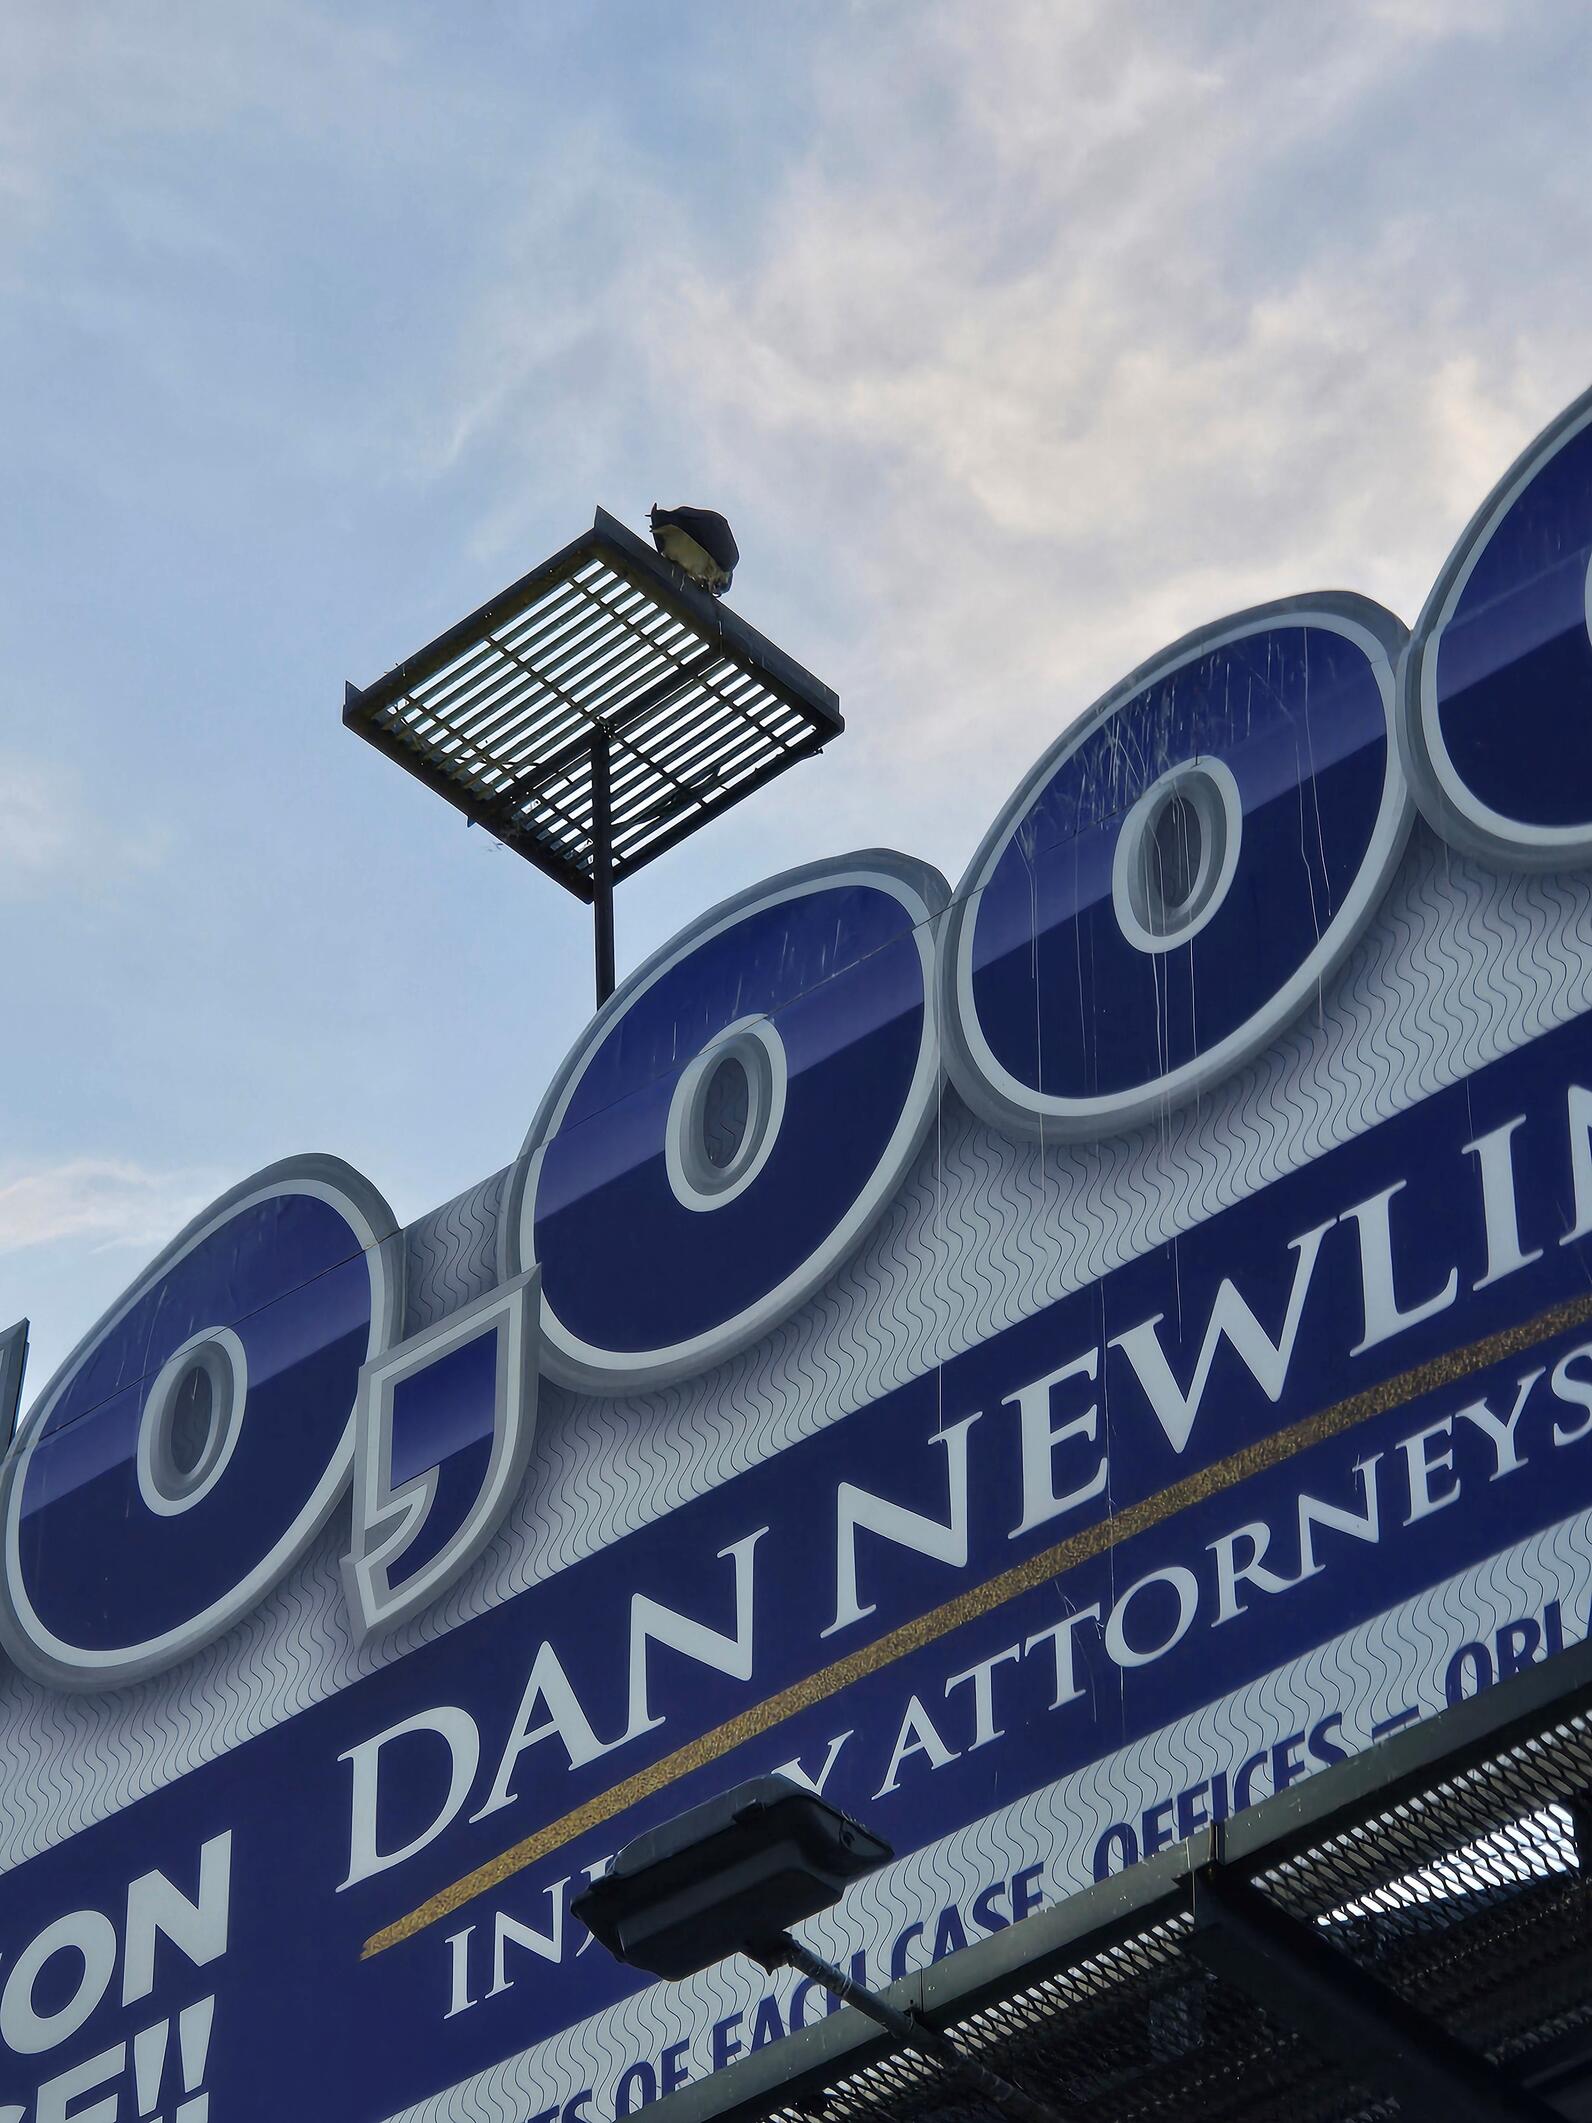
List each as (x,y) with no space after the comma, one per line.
(602,863)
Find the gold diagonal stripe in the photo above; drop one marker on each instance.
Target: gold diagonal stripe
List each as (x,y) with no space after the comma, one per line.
(1079,1547)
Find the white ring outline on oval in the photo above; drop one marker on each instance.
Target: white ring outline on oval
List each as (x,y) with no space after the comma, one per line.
(226,1427)
(998,1096)
(1483,831)
(581,1365)
(1215,774)
(35,1648)
(765,1112)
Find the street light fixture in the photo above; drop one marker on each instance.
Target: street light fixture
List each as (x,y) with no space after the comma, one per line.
(730,1876)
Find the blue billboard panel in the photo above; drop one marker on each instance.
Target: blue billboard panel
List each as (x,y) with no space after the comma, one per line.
(1047,1365)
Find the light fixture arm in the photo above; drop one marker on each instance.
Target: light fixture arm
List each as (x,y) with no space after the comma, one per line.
(962,2070)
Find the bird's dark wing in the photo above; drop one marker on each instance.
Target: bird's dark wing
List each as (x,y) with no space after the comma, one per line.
(708,528)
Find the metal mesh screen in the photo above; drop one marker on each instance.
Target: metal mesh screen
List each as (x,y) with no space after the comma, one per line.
(1137,2034)
(1473,1901)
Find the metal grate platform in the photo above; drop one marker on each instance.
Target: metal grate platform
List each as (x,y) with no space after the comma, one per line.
(1409,1934)
(604,658)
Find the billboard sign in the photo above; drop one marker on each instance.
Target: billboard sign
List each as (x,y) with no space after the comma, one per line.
(1046,1364)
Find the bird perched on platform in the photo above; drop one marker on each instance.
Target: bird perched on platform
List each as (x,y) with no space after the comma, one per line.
(699,541)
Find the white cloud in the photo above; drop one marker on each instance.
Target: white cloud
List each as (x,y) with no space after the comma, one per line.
(84,77)
(99,1203)
(35,836)
(1070,329)
(52,838)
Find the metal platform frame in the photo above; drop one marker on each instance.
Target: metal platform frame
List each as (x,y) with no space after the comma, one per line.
(595,714)
(1406,1933)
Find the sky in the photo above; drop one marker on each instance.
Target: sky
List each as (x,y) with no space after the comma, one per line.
(1015,338)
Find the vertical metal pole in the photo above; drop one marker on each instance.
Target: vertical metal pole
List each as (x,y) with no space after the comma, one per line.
(602,864)
(13,1368)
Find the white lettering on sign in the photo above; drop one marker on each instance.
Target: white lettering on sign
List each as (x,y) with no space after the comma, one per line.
(62,1981)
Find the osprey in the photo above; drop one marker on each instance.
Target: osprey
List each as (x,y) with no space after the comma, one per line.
(699,541)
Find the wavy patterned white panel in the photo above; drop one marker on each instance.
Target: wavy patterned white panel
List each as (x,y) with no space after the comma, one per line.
(1460,966)
(1387,1664)
(450,1255)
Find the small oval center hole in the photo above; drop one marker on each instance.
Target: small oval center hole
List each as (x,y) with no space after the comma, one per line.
(1176,845)
(192,1419)
(726,1107)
